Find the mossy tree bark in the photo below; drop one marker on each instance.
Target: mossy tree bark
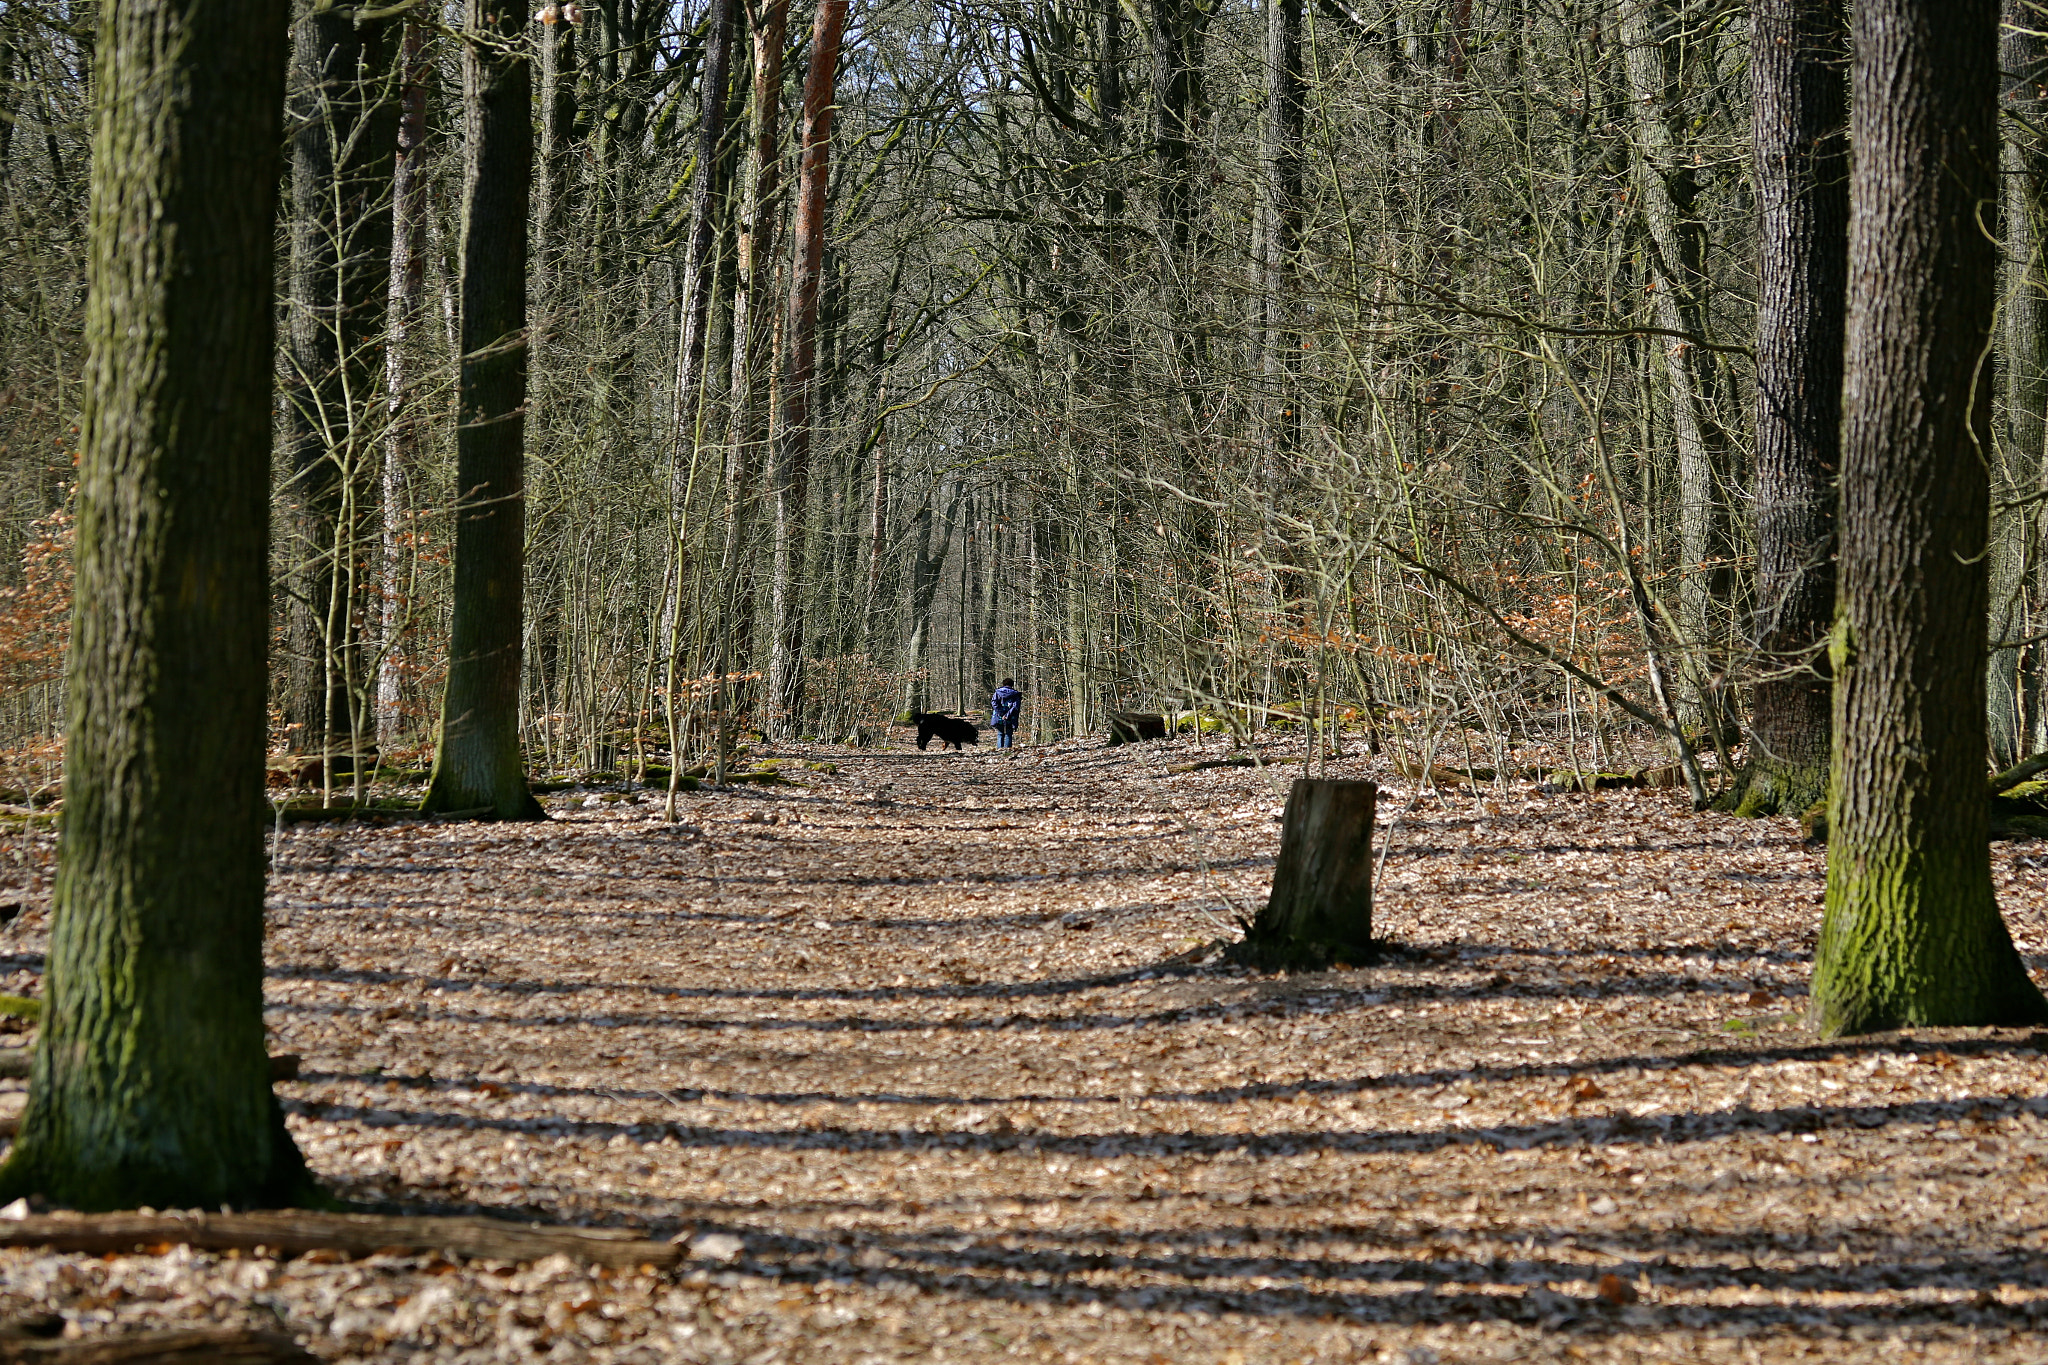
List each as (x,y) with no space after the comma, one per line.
(1798,54)
(478,765)
(150,1084)
(1912,934)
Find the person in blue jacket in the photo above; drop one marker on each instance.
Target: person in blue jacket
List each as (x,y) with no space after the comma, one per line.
(1003,709)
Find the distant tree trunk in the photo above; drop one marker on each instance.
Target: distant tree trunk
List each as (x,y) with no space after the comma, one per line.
(1180,31)
(151,1084)
(554,167)
(1281,211)
(752,347)
(478,764)
(2014,682)
(793,431)
(1670,188)
(345,127)
(706,194)
(1799,50)
(1911,934)
(402,431)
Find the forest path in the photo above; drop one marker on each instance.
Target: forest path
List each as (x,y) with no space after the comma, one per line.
(895,1051)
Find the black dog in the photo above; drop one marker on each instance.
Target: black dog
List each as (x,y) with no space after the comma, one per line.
(948,729)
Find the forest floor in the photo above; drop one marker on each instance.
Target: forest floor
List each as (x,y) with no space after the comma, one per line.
(912,1056)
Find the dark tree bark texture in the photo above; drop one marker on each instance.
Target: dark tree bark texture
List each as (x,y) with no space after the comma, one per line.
(478,766)
(151,1084)
(1798,56)
(1320,910)
(1912,933)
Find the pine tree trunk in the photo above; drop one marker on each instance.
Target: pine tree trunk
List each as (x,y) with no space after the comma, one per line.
(1798,54)
(793,433)
(151,1084)
(1912,934)
(478,765)
(345,128)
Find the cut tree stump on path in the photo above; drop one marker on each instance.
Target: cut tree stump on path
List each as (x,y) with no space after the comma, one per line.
(292,1233)
(1320,911)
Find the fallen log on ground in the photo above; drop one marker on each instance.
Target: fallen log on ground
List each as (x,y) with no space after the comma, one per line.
(290,1232)
(199,1346)
(1238,761)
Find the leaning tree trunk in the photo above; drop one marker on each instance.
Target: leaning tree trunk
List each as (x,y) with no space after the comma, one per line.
(1912,934)
(793,431)
(478,765)
(151,1085)
(1798,52)
(344,131)
(2013,686)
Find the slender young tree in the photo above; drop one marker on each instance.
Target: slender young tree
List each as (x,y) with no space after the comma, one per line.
(1912,933)
(478,765)
(1799,53)
(344,127)
(151,1085)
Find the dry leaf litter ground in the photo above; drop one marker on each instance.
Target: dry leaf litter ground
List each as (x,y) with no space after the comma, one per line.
(912,1058)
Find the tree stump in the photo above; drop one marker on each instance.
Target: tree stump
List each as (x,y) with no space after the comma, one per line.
(1320,911)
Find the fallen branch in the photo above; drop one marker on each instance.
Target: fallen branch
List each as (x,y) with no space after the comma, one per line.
(293,1232)
(2018,773)
(201,1346)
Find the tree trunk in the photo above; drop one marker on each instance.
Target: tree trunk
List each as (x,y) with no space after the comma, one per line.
(152,1084)
(1911,934)
(1669,189)
(478,764)
(1279,238)
(1798,53)
(1320,910)
(793,432)
(706,193)
(402,430)
(2014,704)
(345,126)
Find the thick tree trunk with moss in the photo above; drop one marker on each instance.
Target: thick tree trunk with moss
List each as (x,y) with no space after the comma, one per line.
(478,765)
(1912,933)
(151,1084)
(1797,58)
